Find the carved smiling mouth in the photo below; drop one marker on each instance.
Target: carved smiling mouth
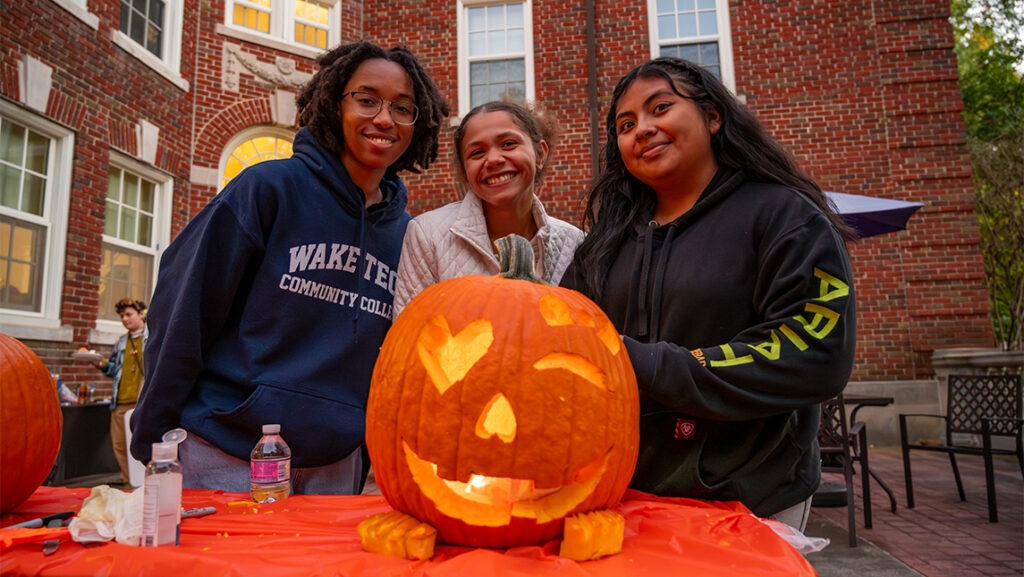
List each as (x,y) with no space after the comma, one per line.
(493,501)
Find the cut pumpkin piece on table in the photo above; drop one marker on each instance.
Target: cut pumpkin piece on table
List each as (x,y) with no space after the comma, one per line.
(592,535)
(398,535)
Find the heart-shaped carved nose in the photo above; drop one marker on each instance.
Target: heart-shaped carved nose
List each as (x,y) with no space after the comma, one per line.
(497,418)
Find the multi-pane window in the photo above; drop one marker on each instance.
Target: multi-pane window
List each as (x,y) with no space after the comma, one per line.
(129,239)
(311,24)
(22,257)
(253,14)
(150,31)
(123,273)
(143,22)
(129,214)
(695,30)
(496,42)
(24,179)
(35,186)
(253,151)
(305,22)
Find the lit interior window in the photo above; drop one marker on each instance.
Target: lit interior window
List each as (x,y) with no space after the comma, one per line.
(254,151)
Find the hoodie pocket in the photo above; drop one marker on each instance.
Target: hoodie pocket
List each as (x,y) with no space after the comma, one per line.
(318,430)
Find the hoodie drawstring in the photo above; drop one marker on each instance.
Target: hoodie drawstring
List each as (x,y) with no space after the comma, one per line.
(659,282)
(361,273)
(642,261)
(649,323)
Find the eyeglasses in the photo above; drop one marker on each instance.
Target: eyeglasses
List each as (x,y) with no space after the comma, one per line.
(370,105)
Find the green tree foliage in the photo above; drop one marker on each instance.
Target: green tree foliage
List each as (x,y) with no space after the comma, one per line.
(990,51)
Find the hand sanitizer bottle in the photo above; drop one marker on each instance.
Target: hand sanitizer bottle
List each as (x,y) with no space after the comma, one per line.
(161,497)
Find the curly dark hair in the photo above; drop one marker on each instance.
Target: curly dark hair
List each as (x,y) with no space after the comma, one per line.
(125,303)
(618,199)
(318,102)
(537,123)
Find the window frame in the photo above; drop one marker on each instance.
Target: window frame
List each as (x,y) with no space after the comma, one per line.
(45,324)
(723,38)
(282,23)
(169,65)
(463,50)
(161,232)
(80,9)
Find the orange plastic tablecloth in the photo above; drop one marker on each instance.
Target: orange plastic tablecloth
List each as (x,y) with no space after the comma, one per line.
(308,535)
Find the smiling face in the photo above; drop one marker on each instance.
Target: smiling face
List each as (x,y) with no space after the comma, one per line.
(373,144)
(501,162)
(494,422)
(665,139)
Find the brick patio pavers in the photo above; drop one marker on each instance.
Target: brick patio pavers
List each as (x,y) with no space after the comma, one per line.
(942,536)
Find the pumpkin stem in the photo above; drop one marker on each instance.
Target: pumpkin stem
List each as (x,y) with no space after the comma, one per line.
(516,258)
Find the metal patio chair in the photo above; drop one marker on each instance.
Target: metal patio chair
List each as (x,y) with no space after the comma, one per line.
(985,405)
(838,454)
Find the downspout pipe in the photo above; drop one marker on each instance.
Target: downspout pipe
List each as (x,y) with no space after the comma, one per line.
(592,89)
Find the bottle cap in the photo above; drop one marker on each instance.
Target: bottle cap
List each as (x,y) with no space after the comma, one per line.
(271,429)
(174,436)
(165,451)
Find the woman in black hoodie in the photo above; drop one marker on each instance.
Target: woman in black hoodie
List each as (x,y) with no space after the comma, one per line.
(725,270)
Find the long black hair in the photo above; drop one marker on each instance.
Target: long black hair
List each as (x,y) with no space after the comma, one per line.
(618,200)
(318,102)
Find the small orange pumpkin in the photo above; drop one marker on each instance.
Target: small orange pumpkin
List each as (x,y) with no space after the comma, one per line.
(30,422)
(499,407)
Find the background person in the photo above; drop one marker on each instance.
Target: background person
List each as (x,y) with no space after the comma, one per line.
(127,367)
(502,151)
(726,272)
(272,304)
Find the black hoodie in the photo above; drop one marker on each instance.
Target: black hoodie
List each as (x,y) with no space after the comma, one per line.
(739,319)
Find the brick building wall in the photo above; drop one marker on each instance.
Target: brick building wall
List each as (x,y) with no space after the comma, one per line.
(102,94)
(240,85)
(864,94)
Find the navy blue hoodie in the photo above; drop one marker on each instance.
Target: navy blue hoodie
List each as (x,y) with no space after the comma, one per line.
(270,307)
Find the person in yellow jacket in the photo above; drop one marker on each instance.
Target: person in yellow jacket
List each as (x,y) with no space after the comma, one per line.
(126,367)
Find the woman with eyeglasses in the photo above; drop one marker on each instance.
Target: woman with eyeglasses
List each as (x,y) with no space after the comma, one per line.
(726,272)
(272,304)
(502,150)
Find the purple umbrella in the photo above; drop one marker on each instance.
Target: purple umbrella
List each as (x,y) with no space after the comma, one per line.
(870,216)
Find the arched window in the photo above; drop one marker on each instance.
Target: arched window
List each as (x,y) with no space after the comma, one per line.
(253,146)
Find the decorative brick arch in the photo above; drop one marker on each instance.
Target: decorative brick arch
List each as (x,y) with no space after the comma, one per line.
(215,134)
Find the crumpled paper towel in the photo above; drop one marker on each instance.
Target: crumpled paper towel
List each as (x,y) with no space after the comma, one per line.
(802,543)
(109,514)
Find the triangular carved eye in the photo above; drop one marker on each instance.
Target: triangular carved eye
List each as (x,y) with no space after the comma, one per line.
(557,313)
(497,418)
(446,357)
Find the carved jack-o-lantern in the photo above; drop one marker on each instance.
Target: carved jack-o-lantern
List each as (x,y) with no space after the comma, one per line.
(499,407)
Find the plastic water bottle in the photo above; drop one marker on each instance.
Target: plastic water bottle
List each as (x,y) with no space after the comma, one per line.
(161,497)
(270,466)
